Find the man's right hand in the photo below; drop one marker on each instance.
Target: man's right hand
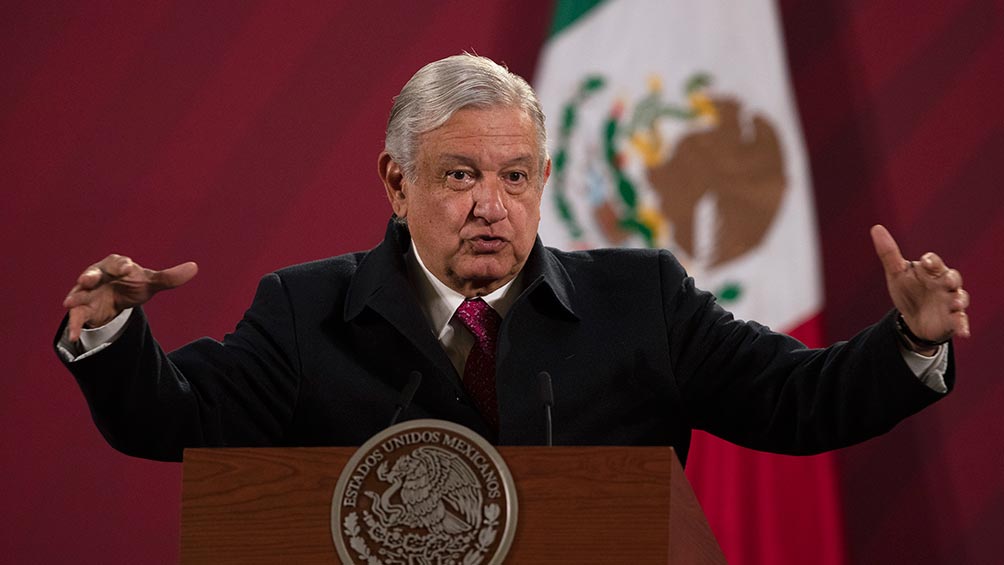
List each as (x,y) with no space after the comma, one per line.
(114,284)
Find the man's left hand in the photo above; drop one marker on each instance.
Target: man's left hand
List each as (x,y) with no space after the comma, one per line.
(926,292)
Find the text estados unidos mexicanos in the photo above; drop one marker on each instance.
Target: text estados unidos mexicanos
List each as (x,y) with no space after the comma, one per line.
(375,457)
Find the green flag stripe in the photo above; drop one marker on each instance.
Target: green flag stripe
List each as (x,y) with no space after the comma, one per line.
(567,11)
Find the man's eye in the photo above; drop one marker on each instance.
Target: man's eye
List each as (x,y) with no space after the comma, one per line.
(515,176)
(458,175)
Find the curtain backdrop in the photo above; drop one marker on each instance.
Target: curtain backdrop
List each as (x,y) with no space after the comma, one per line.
(244,136)
(901,106)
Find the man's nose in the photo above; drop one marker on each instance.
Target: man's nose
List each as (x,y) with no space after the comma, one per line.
(488,200)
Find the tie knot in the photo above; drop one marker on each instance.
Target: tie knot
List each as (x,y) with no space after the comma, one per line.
(481,319)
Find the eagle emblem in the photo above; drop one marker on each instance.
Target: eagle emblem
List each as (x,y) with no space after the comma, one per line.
(437,491)
(704,177)
(424,492)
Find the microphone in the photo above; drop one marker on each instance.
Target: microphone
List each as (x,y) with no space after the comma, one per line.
(547,396)
(407,393)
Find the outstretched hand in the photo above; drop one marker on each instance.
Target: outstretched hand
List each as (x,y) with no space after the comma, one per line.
(926,292)
(114,284)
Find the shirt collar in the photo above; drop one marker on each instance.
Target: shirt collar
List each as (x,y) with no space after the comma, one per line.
(439,302)
(384,276)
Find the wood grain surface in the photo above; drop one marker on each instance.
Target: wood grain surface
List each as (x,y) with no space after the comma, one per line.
(576,505)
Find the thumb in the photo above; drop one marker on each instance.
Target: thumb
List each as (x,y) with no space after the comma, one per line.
(887,250)
(175,276)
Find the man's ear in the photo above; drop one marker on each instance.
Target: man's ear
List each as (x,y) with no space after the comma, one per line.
(393,181)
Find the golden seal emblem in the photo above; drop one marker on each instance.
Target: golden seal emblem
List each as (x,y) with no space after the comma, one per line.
(424,491)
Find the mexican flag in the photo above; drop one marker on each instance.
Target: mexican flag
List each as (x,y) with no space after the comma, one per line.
(672,124)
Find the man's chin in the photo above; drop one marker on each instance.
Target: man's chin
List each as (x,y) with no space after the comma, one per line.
(485,273)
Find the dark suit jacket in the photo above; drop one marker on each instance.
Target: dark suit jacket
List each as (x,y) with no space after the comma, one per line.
(638,356)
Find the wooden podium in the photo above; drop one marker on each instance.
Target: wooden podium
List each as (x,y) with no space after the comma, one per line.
(576,505)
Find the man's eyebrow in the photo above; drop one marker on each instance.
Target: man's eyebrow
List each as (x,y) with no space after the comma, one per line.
(450,158)
(525,160)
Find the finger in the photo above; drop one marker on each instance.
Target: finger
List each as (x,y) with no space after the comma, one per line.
(887,250)
(961,323)
(960,302)
(75,324)
(933,264)
(118,266)
(76,297)
(174,276)
(92,277)
(103,271)
(952,280)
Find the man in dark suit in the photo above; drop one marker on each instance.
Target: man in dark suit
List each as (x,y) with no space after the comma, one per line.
(462,291)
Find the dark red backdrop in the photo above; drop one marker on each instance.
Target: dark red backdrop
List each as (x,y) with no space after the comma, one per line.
(244,136)
(901,106)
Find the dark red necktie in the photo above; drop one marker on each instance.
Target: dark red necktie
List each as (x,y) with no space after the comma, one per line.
(479,372)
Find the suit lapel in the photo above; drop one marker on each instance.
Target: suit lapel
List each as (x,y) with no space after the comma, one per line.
(381,285)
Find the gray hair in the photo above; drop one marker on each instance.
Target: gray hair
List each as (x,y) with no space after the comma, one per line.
(441,88)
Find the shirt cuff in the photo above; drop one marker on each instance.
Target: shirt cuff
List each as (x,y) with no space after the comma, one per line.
(930,370)
(93,340)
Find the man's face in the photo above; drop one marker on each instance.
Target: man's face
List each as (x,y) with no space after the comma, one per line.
(474,206)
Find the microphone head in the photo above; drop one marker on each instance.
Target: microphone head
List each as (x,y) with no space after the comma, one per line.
(546,392)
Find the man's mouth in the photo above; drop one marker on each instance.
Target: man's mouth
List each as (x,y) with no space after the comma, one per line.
(487,244)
